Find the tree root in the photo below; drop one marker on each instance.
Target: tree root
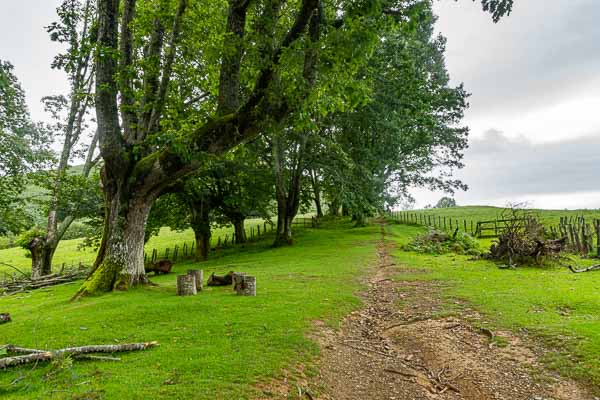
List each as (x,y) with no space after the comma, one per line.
(82,352)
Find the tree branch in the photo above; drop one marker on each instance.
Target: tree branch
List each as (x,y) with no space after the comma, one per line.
(111,141)
(168,68)
(125,81)
(229,88)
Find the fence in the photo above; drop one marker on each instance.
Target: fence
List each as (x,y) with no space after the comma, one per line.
(438,222)
(581,235)
(253,233)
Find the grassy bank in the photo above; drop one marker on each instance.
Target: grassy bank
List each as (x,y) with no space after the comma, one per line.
(212,346)
(554,304)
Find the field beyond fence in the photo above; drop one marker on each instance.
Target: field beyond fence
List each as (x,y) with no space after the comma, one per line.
(581,229)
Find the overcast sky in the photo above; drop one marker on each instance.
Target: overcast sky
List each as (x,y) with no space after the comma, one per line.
(534,79)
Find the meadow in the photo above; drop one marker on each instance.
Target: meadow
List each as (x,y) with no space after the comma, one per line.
(220,346)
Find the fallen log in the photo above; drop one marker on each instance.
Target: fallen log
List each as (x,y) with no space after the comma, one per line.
(34,355)
(578,271)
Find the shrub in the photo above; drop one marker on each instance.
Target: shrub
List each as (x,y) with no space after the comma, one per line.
(26,237)
(439,242)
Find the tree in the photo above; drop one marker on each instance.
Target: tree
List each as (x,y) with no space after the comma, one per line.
(23,148)
(76,29)
(408,131)
(445,202)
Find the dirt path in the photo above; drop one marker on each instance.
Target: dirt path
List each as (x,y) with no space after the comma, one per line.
(396,347)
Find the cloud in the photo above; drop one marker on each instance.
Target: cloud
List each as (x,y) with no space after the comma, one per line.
(499,166)
(541,60)
(501,169)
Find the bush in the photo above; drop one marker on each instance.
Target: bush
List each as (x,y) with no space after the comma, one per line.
(439,242)
(26,237)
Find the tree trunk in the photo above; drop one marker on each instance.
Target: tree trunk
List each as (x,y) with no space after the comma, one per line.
(122,264)
(36,246)
(317,193)
(202,233)
(285,217)
(334,208)
(240,232)
(345,211)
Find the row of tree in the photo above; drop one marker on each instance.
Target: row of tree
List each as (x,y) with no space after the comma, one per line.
(214,112)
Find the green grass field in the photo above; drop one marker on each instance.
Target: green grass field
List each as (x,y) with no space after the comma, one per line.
(220,346)
(215,345)
(68,250)
(552,303)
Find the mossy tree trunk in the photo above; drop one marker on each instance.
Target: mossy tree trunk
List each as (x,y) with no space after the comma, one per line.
(122,264)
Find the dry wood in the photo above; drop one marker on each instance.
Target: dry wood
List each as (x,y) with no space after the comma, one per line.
(592,268)
(198,275)
(186,285)
(27,283)
(77,353)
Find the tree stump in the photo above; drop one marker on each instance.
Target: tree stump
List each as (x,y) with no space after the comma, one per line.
(198,275)
(186,285)
(238,278)
(245,285)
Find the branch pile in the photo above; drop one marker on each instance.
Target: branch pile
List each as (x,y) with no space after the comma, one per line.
(25,283)
(524,240)
(83,352)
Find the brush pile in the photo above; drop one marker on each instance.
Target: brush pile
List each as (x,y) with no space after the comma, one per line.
(524,241)
(24,282)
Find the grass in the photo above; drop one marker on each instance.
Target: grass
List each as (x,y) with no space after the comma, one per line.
(68,251)
(212,346)
(551,303)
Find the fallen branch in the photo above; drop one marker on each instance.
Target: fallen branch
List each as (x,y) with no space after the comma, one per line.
(578,271)
(34,355)
(27,283)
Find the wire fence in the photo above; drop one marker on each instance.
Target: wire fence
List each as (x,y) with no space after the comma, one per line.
(581,234)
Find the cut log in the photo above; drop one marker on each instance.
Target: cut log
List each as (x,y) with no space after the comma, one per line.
(247,286)
(41,355)
(238,279)
(216,280)
(159,267)
(4,318)
(186,285)
(198,275)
